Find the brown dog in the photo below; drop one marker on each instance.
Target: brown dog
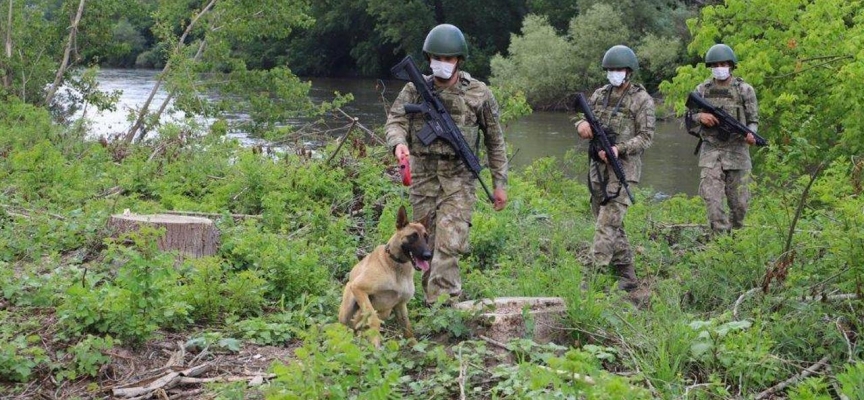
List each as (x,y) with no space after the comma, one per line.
(383,281)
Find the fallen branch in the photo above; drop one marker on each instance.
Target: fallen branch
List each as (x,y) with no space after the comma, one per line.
(167,381)
(494,342)
(343,140)
(804,374)
(25,213)
(806,299)
(741,300)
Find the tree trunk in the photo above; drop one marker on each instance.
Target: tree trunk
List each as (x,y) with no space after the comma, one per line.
(73,32)
(7,80)
(139,121)
(191,236)
(171,94)
(541,320)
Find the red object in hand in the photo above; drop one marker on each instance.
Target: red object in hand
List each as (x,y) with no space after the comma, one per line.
(405,171)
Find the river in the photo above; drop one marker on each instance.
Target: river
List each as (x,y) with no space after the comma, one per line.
(669,165)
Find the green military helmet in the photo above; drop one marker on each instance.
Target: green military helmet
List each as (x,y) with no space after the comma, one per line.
(446,40)
(719,53)
(620,57)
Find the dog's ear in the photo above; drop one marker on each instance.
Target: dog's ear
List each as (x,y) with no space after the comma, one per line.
(401,218)
(426,220)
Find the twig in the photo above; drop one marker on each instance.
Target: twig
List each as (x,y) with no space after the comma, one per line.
(830,297)
(636,365)
(167,381)
(462,368)
(363,128)
(835,58)
(343,140)
(803,374)
(28,211)
(741,300)
(494,342)
(834,384)
(698,385)
(846,337)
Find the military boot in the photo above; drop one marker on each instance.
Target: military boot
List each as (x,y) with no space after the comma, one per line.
(626,274)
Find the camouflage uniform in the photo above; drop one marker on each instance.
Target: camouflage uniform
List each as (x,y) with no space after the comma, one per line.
(631,117)
(724,158)
(442,183)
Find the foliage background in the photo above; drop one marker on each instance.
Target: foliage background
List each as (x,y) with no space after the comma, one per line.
(729,317)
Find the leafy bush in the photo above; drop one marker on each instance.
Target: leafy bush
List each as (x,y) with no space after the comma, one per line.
(141,298)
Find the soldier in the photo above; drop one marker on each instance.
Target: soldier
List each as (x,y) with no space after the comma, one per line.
(626,110)
(724,159)
(443,186)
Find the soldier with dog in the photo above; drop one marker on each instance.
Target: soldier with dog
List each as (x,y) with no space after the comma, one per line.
(443,187)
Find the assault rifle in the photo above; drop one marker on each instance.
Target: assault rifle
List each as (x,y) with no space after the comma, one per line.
(605,145)
(439,123)
(728,123)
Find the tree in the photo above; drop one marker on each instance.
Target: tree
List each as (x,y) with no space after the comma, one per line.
(204,38)
(42,40)
(803,57)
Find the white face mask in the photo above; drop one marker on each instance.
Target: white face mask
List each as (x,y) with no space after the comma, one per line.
(720,73)
(442,69)
(616,78)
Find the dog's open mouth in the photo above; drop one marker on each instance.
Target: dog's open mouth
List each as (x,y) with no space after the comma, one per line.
(419,264)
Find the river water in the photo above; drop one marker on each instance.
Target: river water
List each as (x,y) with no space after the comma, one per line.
(669,165)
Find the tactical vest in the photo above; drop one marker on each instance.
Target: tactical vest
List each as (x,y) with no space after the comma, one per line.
(456,100)
(728,98)
(615,115)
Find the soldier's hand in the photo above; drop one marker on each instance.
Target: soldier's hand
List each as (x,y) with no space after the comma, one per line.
(584,130)
(750,139)
(500,196)
(401,151)
(602,154)
(708,119)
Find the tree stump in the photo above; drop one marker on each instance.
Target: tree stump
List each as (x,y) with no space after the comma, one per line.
(191,236)
(503,318)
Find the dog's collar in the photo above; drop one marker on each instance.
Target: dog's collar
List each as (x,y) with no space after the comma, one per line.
(387,249)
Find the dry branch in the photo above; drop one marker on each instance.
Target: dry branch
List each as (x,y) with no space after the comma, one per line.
(783,385)
(343,140)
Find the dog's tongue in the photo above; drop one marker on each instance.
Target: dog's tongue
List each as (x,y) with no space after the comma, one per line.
(422,265)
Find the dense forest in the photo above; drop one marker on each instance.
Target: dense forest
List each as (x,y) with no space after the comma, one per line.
(774,310)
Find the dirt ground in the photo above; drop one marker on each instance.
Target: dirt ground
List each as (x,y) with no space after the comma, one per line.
(159,369)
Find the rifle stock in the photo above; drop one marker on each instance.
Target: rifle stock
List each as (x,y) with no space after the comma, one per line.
(605,144)
(727,122)
(439,123)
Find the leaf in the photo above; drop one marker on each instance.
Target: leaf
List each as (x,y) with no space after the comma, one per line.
(699,349)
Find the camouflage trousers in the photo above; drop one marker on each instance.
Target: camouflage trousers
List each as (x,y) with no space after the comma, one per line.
(445,188)
(714,184)
(610,246)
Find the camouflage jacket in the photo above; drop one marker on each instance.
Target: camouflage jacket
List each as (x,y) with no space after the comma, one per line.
(738,99)
(473,108)
(631,117)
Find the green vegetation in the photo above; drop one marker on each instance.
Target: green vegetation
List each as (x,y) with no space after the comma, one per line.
(729,316)
(278,278)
